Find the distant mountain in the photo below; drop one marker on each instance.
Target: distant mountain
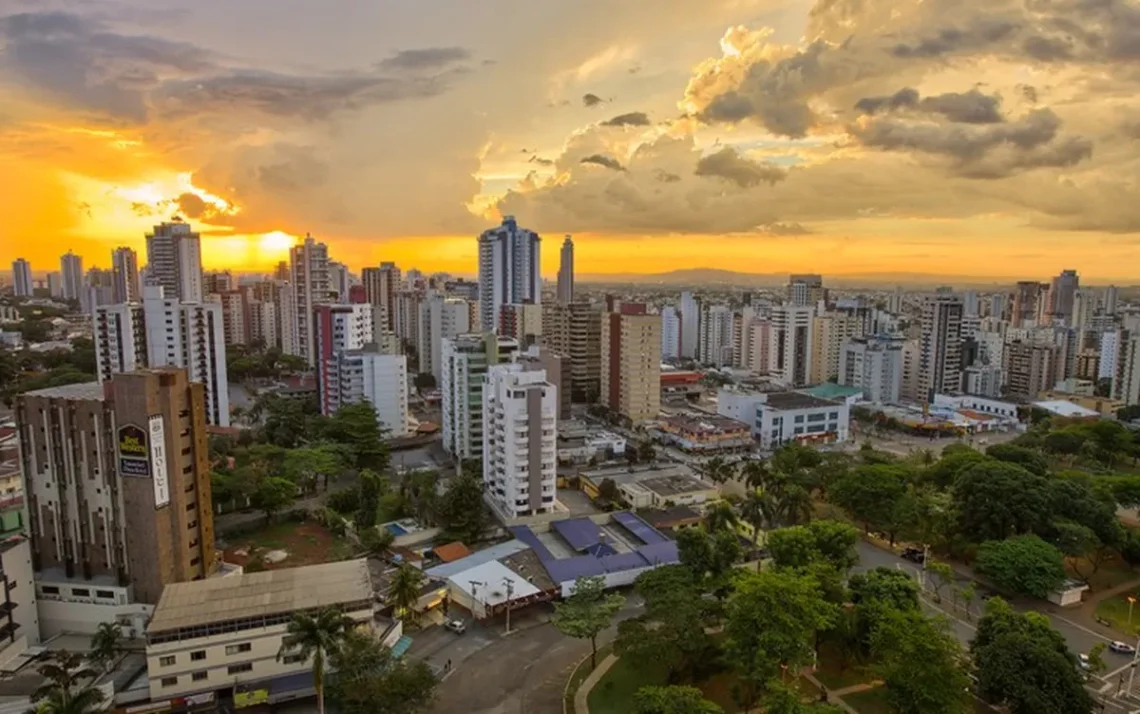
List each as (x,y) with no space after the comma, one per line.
(716,276)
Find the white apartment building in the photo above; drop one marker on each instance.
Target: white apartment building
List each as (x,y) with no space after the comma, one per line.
(716,335)
(790,344)
(263,322)
(466,359)
(670,333)
(309,276)
(125,268)
(71,272)
(223,635)
(369,375)
(940,357)
(337,329)
(985,380)
(19,614)
(174,260)
(339,282)
(234,324)
(1110,353)
(440,318)
(406,320)
(509,270)
(875,365)
(22,284)
(520,435)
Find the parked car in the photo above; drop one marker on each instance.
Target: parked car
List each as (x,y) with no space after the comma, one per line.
(915,555)
(1121,647)
(1083,662)
(456,626)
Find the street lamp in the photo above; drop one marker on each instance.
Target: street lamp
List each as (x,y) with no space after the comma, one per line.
(475,584)
(1131,602)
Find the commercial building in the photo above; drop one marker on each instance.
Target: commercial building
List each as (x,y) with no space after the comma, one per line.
(520,422)
(309,278)
(790,344)
(575,331)
(875,365)
(174,260)
(118,494)
(778,418)
(940,356)
(631,363)
(566,272)
(162,332)
(509,270)
(22,285)
(658,486)
(704,433)
(368,375)
(466,359)
(71,272)
(380,287)
(125,268)
(223,635)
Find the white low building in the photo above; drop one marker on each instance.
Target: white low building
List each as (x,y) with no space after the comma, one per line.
(787,417)
(223,635)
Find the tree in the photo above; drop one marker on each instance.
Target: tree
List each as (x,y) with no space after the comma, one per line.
(69,688)
(1028,459)
(285,420)
(800,546)
(318,637)
(274,495)
(1025,565)
(870,493)
(308,467)
(369,679)
(1023,664)
(373,487)
(752,512)
(770,626)
(461,510)
(717,470)
(942,575)
(671,633)
(356,426)
(424,381)
(608,490)
(106,644)
(377,540)
(721,517)
(784,699)
(995,500)
(968,594)
(673,700)
(404,593)
(877,593)
(586,612)
(646,453)
(943,473)
(1066,442)
(917,658)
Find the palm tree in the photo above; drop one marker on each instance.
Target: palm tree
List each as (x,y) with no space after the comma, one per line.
(405,591)
(752,511)
(717,470)
(721,517)
(106,643)
(795,505)
(318,636)
(68,690)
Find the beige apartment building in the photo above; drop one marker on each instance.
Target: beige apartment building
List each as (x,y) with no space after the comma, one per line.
(575,332)
(631,362)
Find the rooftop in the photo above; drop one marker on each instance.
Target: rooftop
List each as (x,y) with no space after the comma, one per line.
(82,390)
(829,390)
(676,484)
(786,401)
(257,594)
(1064,408)
(706,423)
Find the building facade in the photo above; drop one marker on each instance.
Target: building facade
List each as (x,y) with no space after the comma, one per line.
(440,318)
(631,363)
(174,260)
(309,278)
(368,375)
(566,272)
(520,435)
(575,331)
(509,270)
(466,359)
(125,268)
(71,273)
(875,365)
(380,287)
(22,285)
(338,328)
(790,349)
(940,357)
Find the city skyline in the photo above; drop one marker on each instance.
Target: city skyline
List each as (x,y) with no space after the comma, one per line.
(663,138)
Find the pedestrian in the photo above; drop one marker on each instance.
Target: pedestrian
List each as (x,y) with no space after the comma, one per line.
(449,665)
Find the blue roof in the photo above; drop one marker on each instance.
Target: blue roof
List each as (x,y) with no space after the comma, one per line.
(526,535)
(580,533)
(568,569)
(640,529)
(623,561)
(402,646)
(479,557)
(660,553)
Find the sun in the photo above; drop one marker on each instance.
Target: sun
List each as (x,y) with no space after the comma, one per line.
(276,242)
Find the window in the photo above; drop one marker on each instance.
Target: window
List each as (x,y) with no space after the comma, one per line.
(199,676)
(238,649)
(293,659)
(833,415)
(81,592)
(198,655)
(239,668)
(108,594)
(799,418)
(820,416)
(167,661)
(169,681)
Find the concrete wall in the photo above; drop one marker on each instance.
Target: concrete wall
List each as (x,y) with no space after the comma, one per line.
(58,617)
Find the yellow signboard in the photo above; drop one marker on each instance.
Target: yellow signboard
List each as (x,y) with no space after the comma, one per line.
(251,698)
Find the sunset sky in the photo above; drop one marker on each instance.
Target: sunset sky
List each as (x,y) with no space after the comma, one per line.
(965,137)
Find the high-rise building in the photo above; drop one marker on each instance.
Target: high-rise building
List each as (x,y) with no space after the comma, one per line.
(895,301)
(309,276)
(557,370)
(1126,375)
(575,331)
(1109,297)
(380,288)
(367,375)
(519,474)
(440,318)
(117,482)
(984,380)
(338,328)
(98,289)
(757,356)
(940,361)
(125,269)
(466,359)
(55,284)
(339,282)
(282,272)
(234,313)
(566,272)
(522,322)
(912,358)
(22,285)
(830,331)
(875,365)
(217,282)
(1062,292)
(998,303)
(174,260)
(1027,303)
(509,270)
(716,335)
(806,290)
(970,303)
(670,333)
(690,326)
(263,323)
(162,332)
(1030,368)
(71,270)
(631,362)
(790,349)
(407,316)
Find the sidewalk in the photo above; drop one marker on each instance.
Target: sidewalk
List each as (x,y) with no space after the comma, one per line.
(582,696)
(835,696)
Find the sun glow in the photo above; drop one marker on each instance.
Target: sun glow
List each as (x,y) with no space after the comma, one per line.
(276,242)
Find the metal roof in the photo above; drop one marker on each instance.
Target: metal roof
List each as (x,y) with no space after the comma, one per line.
(82,390)
(201,602)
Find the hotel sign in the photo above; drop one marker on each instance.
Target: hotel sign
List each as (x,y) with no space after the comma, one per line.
(158,462)
(134,452)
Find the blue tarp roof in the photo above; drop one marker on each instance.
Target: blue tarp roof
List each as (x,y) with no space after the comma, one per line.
(580,533)
(641,530)
(402,646)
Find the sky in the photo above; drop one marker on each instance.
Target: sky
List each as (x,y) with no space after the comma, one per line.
(963,137)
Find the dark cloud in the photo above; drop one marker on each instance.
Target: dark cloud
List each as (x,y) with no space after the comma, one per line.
(425,58)
(728,165)
(630,119)
(602,160)
(972,107)
(948,40)
(191,206)
(905,98)
(1048,49)
(666,177)
(591,100)
(536,159)
(1029,92)
(784,229)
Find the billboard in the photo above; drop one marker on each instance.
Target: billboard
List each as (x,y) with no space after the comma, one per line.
(134,452)
(158,462)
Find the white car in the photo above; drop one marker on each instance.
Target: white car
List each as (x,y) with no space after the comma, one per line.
(1083,661)
(456,626)
(1121,647)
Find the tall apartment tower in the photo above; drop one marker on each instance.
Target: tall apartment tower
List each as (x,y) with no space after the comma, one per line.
(309,276)
(380,288)
(1062,293)
(440,318)
(22,285)
(71,271)
(1030,368)
(829,333)
(940,358)
(575,332)
(631,362)
(117,481)
(339,328)
(805,290)
(875,365)
(125,269)
(466,359)
(670,333)
(509,270)
(367,375)
(174,260)
(790,348)
(519,474)
(690,326)
(716,336)
(566,272)
(1027,297)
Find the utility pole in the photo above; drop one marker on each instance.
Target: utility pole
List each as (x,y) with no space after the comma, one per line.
(1132,667)
(475,594)
(510,585)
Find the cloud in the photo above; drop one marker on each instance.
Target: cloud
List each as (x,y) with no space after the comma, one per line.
(784,229)
(972,107)
(191,206)
(630,119)
(731,166)
(601,160)
(591,100)
(536,159)
(665,177)
(979,34)
(426,58)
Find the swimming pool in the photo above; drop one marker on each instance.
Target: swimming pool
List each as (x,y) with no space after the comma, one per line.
(396,529)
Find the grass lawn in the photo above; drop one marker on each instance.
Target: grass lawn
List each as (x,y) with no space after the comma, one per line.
(834,674)
(579,675)
(1111,573)
(874,701)
(1115,611)
(614,692)
(306,543)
